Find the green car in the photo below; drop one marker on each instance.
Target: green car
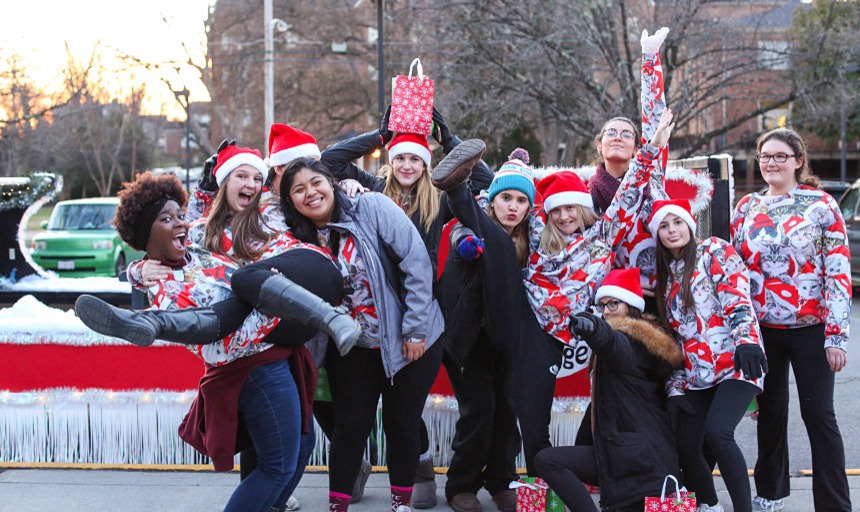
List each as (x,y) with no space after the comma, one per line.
(81,240)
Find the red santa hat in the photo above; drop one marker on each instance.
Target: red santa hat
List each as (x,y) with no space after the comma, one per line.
(762,221)
(792,223)
(624,285)
(287,143)
(411,143)
(781,293)
(679,207)
(232,157)
(564,188)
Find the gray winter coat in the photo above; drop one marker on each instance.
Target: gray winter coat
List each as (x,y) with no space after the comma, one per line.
(399,271)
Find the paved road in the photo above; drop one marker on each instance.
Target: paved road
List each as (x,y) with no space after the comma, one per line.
(150,491)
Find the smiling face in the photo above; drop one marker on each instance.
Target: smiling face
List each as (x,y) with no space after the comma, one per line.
(510,208)
(407,169)
(313,196)
(566,219)
(617,141)
(241,186)
(168,234)
(674,234)
(780,177)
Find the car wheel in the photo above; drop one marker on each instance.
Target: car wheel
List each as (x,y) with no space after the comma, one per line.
(120,264)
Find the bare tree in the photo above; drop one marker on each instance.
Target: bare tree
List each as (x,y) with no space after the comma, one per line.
(565,67)
(25,106)
(825,59)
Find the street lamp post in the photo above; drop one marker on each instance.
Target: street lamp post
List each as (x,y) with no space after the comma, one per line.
(182,98)
(843,160)
(380,59)
(270,24)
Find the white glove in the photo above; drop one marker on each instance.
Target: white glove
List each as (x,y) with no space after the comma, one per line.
(651,44)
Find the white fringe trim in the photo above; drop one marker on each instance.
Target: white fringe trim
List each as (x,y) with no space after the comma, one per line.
(140,427)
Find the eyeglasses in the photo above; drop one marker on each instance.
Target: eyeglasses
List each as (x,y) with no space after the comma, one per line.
(779,158)
(612,133)
(612,305)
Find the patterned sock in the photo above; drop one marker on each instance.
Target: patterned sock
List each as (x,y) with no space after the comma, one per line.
(400,496)
(338,502)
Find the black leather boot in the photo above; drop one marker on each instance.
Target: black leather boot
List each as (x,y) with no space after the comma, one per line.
(457,166)
(191,326)
(285,299)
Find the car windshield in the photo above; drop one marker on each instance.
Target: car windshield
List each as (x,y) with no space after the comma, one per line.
(72,217)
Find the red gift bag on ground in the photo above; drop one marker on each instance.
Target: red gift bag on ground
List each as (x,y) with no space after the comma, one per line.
(534,495)
(412,102)
(678,501)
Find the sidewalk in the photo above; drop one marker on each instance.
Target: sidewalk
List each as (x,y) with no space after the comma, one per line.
(78,490)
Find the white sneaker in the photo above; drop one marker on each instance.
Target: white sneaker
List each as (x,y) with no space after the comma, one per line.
(710,508)
(760,504)
(292,504)
(403,508)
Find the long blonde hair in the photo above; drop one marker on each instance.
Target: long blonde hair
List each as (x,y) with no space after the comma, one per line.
(249,238)
(553,241)
(426,195)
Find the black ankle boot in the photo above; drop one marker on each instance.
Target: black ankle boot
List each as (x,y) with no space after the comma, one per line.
(190,326)
(457,166)
(285,299)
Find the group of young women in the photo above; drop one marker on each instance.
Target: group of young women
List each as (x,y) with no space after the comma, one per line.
(319,264)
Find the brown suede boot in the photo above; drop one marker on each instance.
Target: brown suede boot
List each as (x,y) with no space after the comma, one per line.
(465,502)
(457,166)
(424,492)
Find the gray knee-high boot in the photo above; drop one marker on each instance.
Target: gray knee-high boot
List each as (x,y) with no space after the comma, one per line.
(191,326)
(285,299)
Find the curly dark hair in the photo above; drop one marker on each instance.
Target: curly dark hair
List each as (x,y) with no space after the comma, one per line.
(135,196)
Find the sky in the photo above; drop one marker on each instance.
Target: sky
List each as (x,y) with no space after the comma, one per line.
(38,31)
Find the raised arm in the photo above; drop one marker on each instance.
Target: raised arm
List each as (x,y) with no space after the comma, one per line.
(340,159)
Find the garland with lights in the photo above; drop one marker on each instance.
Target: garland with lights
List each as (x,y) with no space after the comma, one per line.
(20,193)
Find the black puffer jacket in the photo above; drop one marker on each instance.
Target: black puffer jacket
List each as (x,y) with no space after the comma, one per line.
(633,441)
(340,158)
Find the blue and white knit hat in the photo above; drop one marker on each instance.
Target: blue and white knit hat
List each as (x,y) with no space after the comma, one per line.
(513,175)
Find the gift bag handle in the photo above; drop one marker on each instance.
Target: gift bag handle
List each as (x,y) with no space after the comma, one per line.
(665,481)
(517,484)
(416,63)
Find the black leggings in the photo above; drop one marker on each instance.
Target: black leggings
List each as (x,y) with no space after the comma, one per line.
(719,409)
(324,413)
(357,380)
(565,469)
(307,268)
(802,349)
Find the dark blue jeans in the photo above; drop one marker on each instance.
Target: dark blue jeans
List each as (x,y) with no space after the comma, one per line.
(270,410)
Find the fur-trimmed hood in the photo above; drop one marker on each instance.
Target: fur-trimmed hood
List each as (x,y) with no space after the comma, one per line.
(650,336)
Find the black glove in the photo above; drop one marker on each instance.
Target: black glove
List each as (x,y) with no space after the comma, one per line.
(384,132)
(441,132)
(750,360)
(207,180)
(583,325)
(675,405)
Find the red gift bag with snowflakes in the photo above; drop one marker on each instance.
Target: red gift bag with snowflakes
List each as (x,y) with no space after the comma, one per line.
(534,495)
(412,102)
(678,501)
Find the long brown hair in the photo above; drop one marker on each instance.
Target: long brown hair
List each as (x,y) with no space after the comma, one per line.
(520,236)
(250,240)
(245,225)
(803,174)
(426,195)
(664,274)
